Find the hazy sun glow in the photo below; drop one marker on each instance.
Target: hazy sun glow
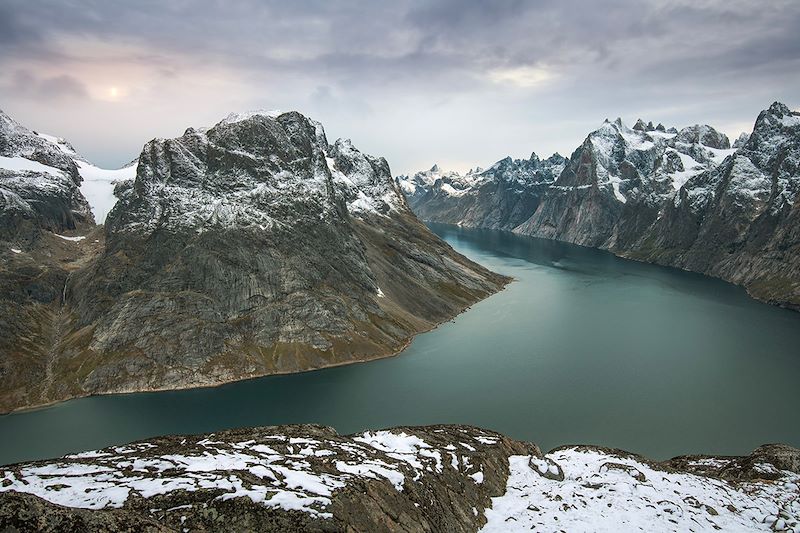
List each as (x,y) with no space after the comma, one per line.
(113,92)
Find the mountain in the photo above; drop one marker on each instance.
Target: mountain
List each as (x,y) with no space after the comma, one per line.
(616,181)
(739,221)
(408,479)
(39,184)
(677,198)
(250,248)
(500,197)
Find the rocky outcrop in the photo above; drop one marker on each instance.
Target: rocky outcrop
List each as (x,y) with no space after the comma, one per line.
(436,478)
(500,197)
(39,185)
(681,198)
(250,248)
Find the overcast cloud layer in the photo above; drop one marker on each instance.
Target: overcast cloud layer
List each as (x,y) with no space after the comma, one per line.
(461,83)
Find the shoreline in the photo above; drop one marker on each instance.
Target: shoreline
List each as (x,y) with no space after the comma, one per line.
(772,303)
(404,345)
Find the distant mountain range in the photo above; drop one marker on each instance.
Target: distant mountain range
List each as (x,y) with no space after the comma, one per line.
(249,248)
(684,198)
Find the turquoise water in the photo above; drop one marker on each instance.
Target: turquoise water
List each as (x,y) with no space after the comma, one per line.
(583,347)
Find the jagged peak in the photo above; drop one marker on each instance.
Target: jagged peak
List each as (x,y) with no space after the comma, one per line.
(779,108)
(741,140)
(435,168)
(777,113)
(705,135)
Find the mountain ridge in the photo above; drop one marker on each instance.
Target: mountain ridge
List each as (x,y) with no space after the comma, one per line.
(683,198)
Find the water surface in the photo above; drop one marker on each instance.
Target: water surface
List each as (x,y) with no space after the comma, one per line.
(583,347)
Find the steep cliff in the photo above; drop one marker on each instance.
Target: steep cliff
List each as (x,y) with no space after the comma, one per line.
(250,248)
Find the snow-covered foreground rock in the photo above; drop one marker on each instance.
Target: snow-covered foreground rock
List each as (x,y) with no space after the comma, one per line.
(437,478)
(590,489)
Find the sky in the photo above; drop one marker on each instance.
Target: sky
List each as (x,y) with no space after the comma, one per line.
(458,83)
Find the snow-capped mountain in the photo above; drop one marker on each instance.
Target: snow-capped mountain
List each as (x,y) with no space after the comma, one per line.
(249,248)
(408,479)
(740,220)
(680,198)
(499,197)
(619,169)
(39,184)
(41,173)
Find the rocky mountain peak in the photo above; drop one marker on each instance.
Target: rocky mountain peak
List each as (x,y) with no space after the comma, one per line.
(779,109)
(741,140)
(434,168)
(253,169)
(776,132)
(248,248)
(39,183)
(705,135)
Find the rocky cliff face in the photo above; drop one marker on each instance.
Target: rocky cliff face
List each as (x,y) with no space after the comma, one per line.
(425,479)
(250,248)
(740,220)
(41,205)
(500,197)
(680,198)
(39,184)
(615,182)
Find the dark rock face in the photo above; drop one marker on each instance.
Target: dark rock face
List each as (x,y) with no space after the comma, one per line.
(679,198)
(500,197)
(739,221)
(39,198)
(409,479)
(39,185)
(250,248)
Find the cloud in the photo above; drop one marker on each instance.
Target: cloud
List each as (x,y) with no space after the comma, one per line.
(24,84)
(534,74)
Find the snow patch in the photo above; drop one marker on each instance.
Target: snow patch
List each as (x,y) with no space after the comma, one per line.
(98,186)
(21,164)
(73,239)
(604,492)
